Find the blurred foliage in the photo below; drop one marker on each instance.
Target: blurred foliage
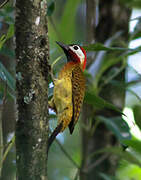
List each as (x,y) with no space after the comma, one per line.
(126,155)
(128,171)
(51,8)
(9,34)
(98,102)
(137,115)
(64,25)
(132,3)
(118,126)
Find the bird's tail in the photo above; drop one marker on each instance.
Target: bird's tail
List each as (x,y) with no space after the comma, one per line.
(52,137)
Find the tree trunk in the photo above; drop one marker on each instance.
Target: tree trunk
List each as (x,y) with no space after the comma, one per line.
(32,69)
(113,17)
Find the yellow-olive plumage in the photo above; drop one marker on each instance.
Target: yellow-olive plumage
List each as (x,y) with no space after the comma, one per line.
(68,95)
(69,89)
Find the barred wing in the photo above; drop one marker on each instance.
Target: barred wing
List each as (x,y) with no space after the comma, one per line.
(78,91)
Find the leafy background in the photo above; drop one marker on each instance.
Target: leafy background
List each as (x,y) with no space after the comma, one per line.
(66,21)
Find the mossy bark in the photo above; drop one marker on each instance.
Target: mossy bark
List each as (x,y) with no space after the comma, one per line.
(32,53)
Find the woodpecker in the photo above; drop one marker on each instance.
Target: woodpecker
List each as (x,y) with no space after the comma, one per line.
(69,89)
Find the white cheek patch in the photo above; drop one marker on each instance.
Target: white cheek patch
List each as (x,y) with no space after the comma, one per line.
(79,53)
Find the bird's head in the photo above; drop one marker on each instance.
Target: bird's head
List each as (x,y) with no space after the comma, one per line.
(74,53)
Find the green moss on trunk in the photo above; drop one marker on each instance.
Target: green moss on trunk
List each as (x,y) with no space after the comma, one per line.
(32,78)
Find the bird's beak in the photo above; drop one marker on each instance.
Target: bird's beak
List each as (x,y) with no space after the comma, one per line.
(63,46)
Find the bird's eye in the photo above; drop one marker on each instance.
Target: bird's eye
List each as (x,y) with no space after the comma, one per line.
(75,47)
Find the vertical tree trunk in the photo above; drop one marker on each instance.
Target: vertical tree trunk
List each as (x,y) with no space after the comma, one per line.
(1,140)
(113,17)
(91,16)
(32,68)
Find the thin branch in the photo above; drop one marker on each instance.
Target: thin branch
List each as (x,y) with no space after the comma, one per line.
(132,92)
(132,68)
(113,76)
(96,163)
(8,149)
(76,175)
(95,66)
(65,152)
(4,3)
(94,127)
(67,155)
(1,130)
(5,92)
(137,18)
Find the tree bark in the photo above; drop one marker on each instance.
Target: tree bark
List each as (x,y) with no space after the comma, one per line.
(32,54)
(113,17)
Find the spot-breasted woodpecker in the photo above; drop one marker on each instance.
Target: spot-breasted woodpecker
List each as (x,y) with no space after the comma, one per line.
(69,89)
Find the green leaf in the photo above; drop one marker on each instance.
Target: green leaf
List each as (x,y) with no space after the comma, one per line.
(137,115)
(106,64)
(101,47)
(7,77)
(132,3)
(132,51)
(118,126)
(126,155)
(134,143)
(137,30)
(2,40)
(9,9)
(7,52)
(128,171)
(106,177)
(52,116)
(9,34)
(10,95)
(87,74)
(124,86)
(51,8)
(98,102)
